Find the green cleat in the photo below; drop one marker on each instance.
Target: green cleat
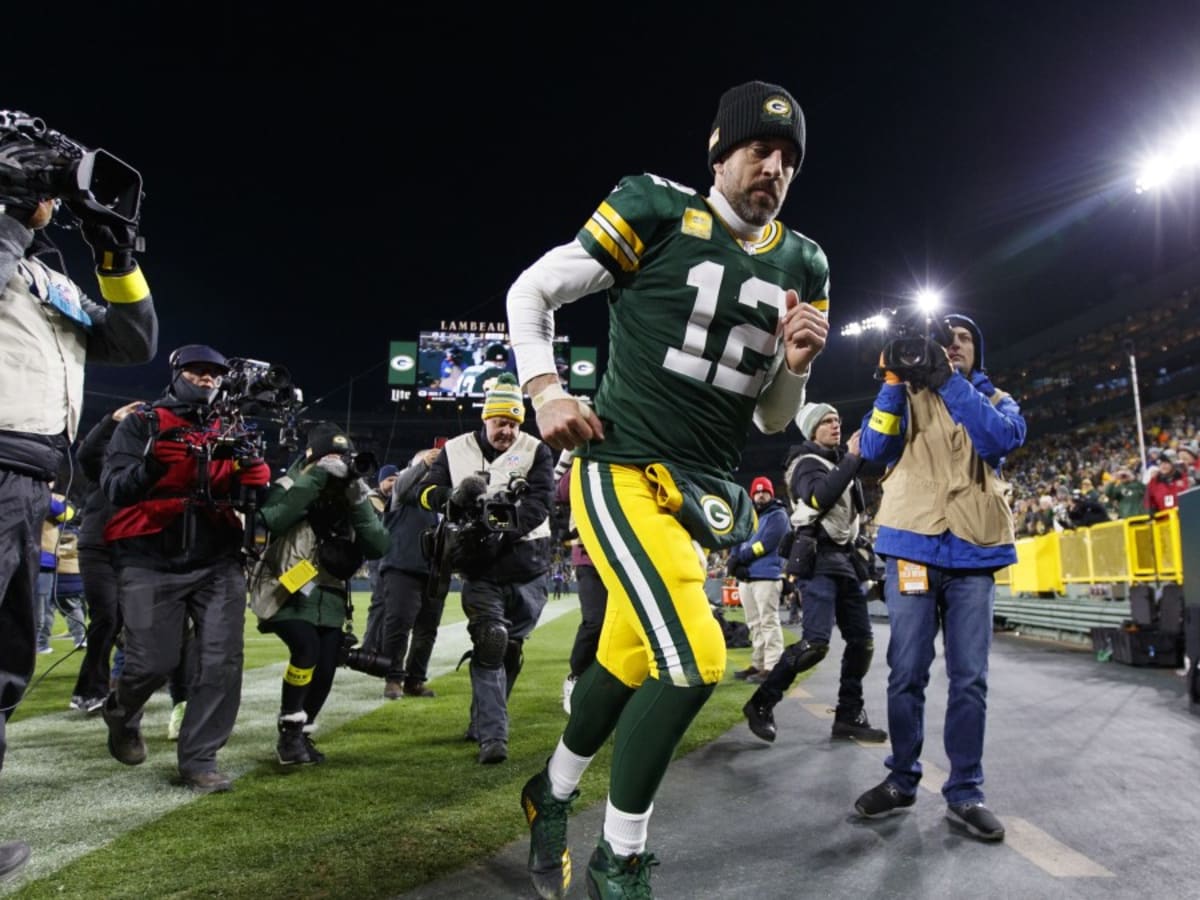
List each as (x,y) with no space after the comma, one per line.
(611,877)
(549,858)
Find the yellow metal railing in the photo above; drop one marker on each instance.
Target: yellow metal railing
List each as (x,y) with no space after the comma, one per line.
(1134,550)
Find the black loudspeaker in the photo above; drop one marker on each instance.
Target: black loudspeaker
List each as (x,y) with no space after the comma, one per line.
(1191,643)
(1142,606)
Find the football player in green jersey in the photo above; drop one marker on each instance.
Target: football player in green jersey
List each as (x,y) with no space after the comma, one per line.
(716,313)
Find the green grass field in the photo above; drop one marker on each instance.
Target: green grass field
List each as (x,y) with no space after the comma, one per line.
(400,801)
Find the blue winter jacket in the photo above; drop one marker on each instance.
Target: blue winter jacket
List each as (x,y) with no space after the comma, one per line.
(995,431)
(761,550)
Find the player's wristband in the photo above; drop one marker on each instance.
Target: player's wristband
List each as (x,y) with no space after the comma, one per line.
(544,396)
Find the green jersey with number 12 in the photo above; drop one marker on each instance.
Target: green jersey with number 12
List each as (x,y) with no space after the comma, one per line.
(692,323)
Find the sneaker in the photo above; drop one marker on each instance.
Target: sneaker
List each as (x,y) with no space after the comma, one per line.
(883,800)
(977,819)
(549,857)
(77,703)
(125,744)
(745,673)
(568,688)
(393,690)
(612,877)
(207,782)
(81,644)
(417,689)
(760,719)
(175,723)
(42,651)
(93,705)
(492,752)
(858,729)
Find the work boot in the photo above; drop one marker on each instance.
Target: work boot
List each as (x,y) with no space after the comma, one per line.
(393,690)
(759,716)
(612,877)
(13,855)
(549,858)
(417,689)
(291,749)
(491,752)
(124,743)
(858,729)
(207,782)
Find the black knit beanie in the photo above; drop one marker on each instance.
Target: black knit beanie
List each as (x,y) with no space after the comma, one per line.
(325,438)
(755,110)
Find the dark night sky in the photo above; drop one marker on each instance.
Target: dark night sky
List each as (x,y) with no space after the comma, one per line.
(321,179)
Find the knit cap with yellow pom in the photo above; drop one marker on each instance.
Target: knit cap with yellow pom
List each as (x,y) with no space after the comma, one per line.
(504,398)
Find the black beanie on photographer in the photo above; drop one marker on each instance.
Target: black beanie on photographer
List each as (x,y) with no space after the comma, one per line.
(753,110)
(325,438)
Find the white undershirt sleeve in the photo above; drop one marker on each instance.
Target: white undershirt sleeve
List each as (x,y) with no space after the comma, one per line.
(562,275)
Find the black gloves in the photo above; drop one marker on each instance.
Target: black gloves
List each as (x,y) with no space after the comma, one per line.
(28,175)
(468,491)
(112,243)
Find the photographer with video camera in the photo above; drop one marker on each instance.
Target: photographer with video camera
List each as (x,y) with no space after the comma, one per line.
(496,488)
(49,330)
(180,479)
(321,527)
(942,429)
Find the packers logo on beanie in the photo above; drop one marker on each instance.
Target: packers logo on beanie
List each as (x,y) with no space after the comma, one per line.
(755,110)
(505,399)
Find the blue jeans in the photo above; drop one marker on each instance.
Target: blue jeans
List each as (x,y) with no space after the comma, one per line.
(960,601)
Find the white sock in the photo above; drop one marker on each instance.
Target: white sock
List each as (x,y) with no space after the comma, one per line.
(626,832)
(565,770)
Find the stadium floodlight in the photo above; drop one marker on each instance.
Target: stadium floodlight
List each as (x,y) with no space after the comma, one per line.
(877,322)
(1158,169)
(928,300)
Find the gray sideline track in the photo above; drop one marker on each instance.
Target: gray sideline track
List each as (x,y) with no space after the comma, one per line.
(1094,768)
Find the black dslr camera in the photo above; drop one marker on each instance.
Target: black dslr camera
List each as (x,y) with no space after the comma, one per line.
(354,657)
(93,183)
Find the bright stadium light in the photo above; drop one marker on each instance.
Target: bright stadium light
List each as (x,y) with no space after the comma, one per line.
(1158,169)
(928,300)
(877,322)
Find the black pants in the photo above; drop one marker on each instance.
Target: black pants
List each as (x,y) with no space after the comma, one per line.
(309,647)
(409,612)
(24,504)
(593,600)
(156,607)
(104,614)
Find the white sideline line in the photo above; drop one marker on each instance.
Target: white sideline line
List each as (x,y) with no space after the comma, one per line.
(65,796)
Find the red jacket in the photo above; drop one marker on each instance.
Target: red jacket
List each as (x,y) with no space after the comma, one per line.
(1161,492)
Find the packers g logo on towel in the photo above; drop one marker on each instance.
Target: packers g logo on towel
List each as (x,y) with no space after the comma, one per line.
(717,513)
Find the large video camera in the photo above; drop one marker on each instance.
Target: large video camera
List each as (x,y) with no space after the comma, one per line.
(472,526)
(908,351)
(93,183)
(258,390)
(494,513)
(354,657)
